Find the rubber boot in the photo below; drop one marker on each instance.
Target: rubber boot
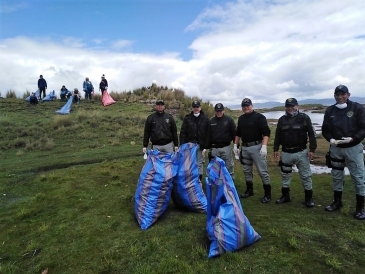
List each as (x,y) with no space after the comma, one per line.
(267,196)
(308,198)
(337,202)
(285,198)
(249,190)
(359,213)
(200,177)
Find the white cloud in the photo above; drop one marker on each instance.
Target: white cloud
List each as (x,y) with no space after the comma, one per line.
(6,8)
(300,49)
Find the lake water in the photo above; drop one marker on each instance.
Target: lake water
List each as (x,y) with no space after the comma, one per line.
(317,118)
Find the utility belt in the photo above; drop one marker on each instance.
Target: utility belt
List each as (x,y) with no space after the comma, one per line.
(220,145)
(338,164)
(250,144)
(293,149)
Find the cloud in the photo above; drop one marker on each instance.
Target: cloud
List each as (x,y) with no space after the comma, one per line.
(9,8)
(265,50)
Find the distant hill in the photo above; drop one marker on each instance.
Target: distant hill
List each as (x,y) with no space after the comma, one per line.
(325,102)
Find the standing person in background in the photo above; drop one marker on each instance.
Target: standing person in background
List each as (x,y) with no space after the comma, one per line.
(161,128)
(222,133)
(254,132)
(42,86)
(103,84)
(344,127)
(292,133)
(88,88)
(196,129)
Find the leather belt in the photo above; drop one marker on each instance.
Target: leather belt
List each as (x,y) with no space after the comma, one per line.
(250,144)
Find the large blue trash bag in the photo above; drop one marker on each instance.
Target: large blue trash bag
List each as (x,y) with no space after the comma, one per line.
(66,109)
(187,192)
(227,226)
(50,96)
(154,187)
(36,95)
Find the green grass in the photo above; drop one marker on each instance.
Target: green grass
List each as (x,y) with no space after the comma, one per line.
(66,203)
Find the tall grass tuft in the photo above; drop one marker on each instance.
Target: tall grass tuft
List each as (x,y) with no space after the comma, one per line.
(11,94)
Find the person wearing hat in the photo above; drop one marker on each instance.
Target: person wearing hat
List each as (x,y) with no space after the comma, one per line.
(254,132)
(64,93)
(160,128)
(103,84)
(195,129)
(222,133)
(88,88)
(42,86)
(292,132)
(344,128)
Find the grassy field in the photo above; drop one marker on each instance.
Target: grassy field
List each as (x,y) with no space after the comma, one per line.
(66,204)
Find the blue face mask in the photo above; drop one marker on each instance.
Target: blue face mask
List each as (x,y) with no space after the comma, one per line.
(196,114)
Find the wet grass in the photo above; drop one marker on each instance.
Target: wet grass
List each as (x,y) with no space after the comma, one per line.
(69,208)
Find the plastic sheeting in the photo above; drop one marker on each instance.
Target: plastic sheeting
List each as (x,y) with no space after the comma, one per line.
(66,109)
(227,226)
(187,192)
(154,187)
(36,94)
(50,96)
(107,99)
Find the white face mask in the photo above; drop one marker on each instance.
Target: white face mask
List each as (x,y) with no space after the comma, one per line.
(196,114)
(341,106)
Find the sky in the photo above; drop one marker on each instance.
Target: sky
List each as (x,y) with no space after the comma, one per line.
(221,51)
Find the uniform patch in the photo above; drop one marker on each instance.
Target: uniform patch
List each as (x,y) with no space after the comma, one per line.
(350,114)
(167,120)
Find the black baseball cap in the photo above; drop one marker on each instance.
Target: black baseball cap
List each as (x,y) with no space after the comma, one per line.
(160,102)
(195,104)
(219,107)
(246,102)
(291,102)
(341,88)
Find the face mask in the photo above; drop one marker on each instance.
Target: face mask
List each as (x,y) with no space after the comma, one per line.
(341,106)
(196,114)
(295,113)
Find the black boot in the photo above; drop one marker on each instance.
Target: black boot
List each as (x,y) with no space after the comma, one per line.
(200,177)
(267,196)
(359,213)
(337,202)
(285,196)
(308,198)
(249,190)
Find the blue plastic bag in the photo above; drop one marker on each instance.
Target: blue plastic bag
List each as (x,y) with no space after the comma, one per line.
(227,226)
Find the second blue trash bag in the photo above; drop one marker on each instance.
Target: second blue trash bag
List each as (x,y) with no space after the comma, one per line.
(187,192)
(227,226)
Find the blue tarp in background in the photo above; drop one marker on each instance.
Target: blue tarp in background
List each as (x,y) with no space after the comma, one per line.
(50,96)
(66,109)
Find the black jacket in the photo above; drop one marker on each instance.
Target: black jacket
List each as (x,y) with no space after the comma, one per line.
(222,131)
(252,127)
(294,132)
(161,129)
(195,130)
(347,122)
(42,83)
(103,84)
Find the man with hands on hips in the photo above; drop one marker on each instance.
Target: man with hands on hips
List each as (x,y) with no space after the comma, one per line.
(161,128)
(254,132)
(292,133)
(344,127)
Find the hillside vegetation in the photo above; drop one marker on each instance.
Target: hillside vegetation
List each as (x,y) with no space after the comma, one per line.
(67,187)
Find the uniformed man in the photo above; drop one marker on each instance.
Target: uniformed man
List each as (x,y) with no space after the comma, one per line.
(161,128)
(254,132)
(222,133)
(195,129)
(292,133)
(344,127)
